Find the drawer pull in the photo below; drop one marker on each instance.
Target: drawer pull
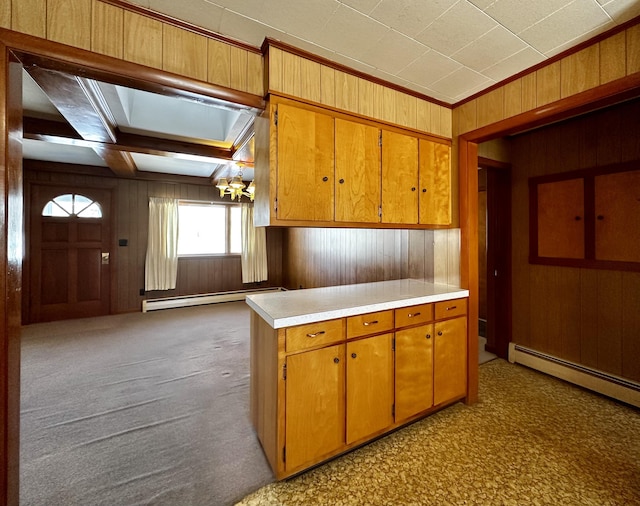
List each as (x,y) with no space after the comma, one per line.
(428,336)
(336,360)
(451,307)
(411,315)
(366,324)
(353,355)
(316,333)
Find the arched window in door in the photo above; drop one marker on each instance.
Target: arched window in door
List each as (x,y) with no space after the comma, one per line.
(72,204)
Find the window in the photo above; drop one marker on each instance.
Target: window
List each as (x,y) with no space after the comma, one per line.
(72,204)
(208,229)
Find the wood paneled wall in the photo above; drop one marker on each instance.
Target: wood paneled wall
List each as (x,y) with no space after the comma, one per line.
(317,257)
(113,31)
(303,78)
(591,317)
(131,211)
(612,58)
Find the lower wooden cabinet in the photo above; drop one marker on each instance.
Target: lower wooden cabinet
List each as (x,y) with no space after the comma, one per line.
(315,406)
(450,360)
(369,386)
(414,371)
(318,391)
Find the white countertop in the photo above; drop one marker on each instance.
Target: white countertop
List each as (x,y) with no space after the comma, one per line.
(295,307)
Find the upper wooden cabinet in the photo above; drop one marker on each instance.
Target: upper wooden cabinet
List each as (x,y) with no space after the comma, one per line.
(305,167)
(357,174)
(588,218)
(435,183)
(315,167)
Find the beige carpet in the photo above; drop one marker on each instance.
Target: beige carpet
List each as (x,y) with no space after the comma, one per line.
(530,440)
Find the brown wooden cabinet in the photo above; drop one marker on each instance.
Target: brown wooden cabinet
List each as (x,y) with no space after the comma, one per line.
(435,183)
(399,178)
(357,174)
(320,389)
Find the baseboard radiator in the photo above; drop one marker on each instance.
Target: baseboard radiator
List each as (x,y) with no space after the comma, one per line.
(200,299)
(607,384)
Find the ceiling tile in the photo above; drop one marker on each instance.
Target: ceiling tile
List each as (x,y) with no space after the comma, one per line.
(199,13)
(429,68)
(581,38)
(489,49)
(456,28)
(250,8)
(554,30)
(306,19)
(393,52)
(350,32)
(622,10)
(245,29)
(515,63)
(518,15)
(364,6)
(482,4)
(410,16)
(459,83)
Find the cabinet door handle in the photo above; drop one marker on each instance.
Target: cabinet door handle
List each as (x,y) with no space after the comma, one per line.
(341,181)
(411,315)
(424,190)
(428,336)
(336,360)
(578,218)
(440,332)
(325,179)
(413,188)
(366,324)
(315,334)
(353,355)
(451,307)
(600,217)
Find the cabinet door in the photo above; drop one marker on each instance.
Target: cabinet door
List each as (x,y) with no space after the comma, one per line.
(315,404)
(414,371)
(399,178)
(369,386)
(435,183)
(305,168)
(617,222)
(357,172)
(561,219)
(450,360)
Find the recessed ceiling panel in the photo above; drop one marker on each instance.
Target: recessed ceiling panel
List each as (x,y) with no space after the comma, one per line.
(61,153)
(167,165)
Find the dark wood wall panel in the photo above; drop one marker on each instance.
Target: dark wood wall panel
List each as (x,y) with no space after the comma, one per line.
(585,316)
(317,257)
(131,214)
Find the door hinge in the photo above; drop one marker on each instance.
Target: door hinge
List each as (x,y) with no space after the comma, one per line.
(393,410)
(380,211)
(284,371)
(275,118)
(380,138)
(284,454)
(275,205)
(393,344)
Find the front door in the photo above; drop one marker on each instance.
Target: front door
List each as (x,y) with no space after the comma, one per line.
(69,261)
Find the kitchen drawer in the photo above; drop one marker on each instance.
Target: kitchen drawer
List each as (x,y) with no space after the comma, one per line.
(413,315)
(370,323)
(312,335)
(451,308)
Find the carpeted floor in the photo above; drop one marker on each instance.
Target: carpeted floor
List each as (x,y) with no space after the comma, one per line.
(531,440)
(139,409)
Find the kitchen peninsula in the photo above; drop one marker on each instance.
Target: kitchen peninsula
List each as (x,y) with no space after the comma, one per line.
(333,368)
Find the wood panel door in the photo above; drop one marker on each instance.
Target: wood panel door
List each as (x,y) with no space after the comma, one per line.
(561,219)
(314,416)
(305,172)
(399,178)
(369,386)
(69,276)
(414,371)
(450,360)
(617,220)
(357,172)
(435,183)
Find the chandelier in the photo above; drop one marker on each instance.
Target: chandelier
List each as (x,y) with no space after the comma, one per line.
(236,188)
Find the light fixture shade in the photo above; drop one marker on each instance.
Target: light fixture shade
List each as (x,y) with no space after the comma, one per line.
(236,183)
(222,186)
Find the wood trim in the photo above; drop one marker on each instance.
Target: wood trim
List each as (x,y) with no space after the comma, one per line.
(170,20)
(52,55)
(269,43)
(11,214)
(579,263)
(586,173)
(468,162)
(575,49)
(487,163)
(602,96)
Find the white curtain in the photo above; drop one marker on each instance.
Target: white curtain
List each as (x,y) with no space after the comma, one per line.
(254,248)
(161,266)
